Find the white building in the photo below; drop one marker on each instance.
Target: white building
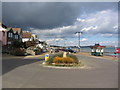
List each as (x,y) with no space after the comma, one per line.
(28,36)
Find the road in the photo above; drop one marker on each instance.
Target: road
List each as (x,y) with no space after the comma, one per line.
(28,73)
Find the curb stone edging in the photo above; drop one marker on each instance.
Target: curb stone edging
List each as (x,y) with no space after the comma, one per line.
(58,67)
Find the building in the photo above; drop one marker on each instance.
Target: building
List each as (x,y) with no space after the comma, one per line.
(14,34)
(2,25)
(18,32)
(11,35)
(34,37)
(97,50)
(3,34)
(28,36)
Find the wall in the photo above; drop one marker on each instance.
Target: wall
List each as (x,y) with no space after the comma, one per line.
(0,35)
(25,39)
(3,38)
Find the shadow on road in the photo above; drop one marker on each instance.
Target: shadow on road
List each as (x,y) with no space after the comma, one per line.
(8,65)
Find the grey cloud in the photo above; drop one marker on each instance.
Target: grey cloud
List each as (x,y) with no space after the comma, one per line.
(50,15)
(101,22)
(39,15)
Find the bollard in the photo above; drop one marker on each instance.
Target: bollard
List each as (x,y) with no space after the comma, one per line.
(46,57)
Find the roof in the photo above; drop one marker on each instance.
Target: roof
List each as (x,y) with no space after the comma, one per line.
(2,29)
(17,30)
(8,29)
(97,46)
(1,24)
(27,35)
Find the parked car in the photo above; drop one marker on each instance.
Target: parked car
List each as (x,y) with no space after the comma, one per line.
(56,50)
(70,50)
(61,49)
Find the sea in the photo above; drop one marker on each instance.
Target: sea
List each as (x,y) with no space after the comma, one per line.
(107,51)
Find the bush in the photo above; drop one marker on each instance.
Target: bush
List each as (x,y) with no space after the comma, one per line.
(18,52)
(29,44)
(73,57)
(17,44)
(53,56)
(65,60)
(58,58)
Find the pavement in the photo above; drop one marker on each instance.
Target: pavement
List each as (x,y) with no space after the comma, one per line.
(8,56)
(102,57)
(29,73)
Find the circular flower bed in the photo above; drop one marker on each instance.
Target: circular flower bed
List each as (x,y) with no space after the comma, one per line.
(66,60)
(70,60)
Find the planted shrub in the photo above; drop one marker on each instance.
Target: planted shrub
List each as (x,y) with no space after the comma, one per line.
(65,60)
(58,60)
(73,57)
(18,52)
(53,56)
(69,61)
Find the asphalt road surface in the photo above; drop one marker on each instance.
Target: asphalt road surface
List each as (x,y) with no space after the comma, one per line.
(28,73)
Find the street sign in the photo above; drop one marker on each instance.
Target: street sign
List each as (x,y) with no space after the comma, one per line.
(46,57)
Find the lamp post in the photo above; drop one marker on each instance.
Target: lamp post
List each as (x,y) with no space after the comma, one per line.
(78,39)
(57,42)
(65,42)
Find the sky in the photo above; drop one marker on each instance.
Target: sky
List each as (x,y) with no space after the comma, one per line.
(57,22)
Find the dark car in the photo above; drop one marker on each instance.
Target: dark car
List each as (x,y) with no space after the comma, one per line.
(56,50)
(70,50)
(61,49)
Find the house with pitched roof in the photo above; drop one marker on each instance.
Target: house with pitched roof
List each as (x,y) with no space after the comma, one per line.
(26,36)
(3,34)
(10,36)
(19,33)
(14,34)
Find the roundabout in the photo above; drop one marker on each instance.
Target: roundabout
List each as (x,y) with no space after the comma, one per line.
(62,60)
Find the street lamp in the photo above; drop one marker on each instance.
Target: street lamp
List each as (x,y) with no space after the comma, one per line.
(78,39)
(65,42)
(57,42)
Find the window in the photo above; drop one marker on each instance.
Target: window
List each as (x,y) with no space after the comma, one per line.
(21,36)
(10,34)
(16,36)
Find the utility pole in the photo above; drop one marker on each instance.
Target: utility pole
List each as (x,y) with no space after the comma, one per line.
(78,39)
(57,42)
(65,42)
